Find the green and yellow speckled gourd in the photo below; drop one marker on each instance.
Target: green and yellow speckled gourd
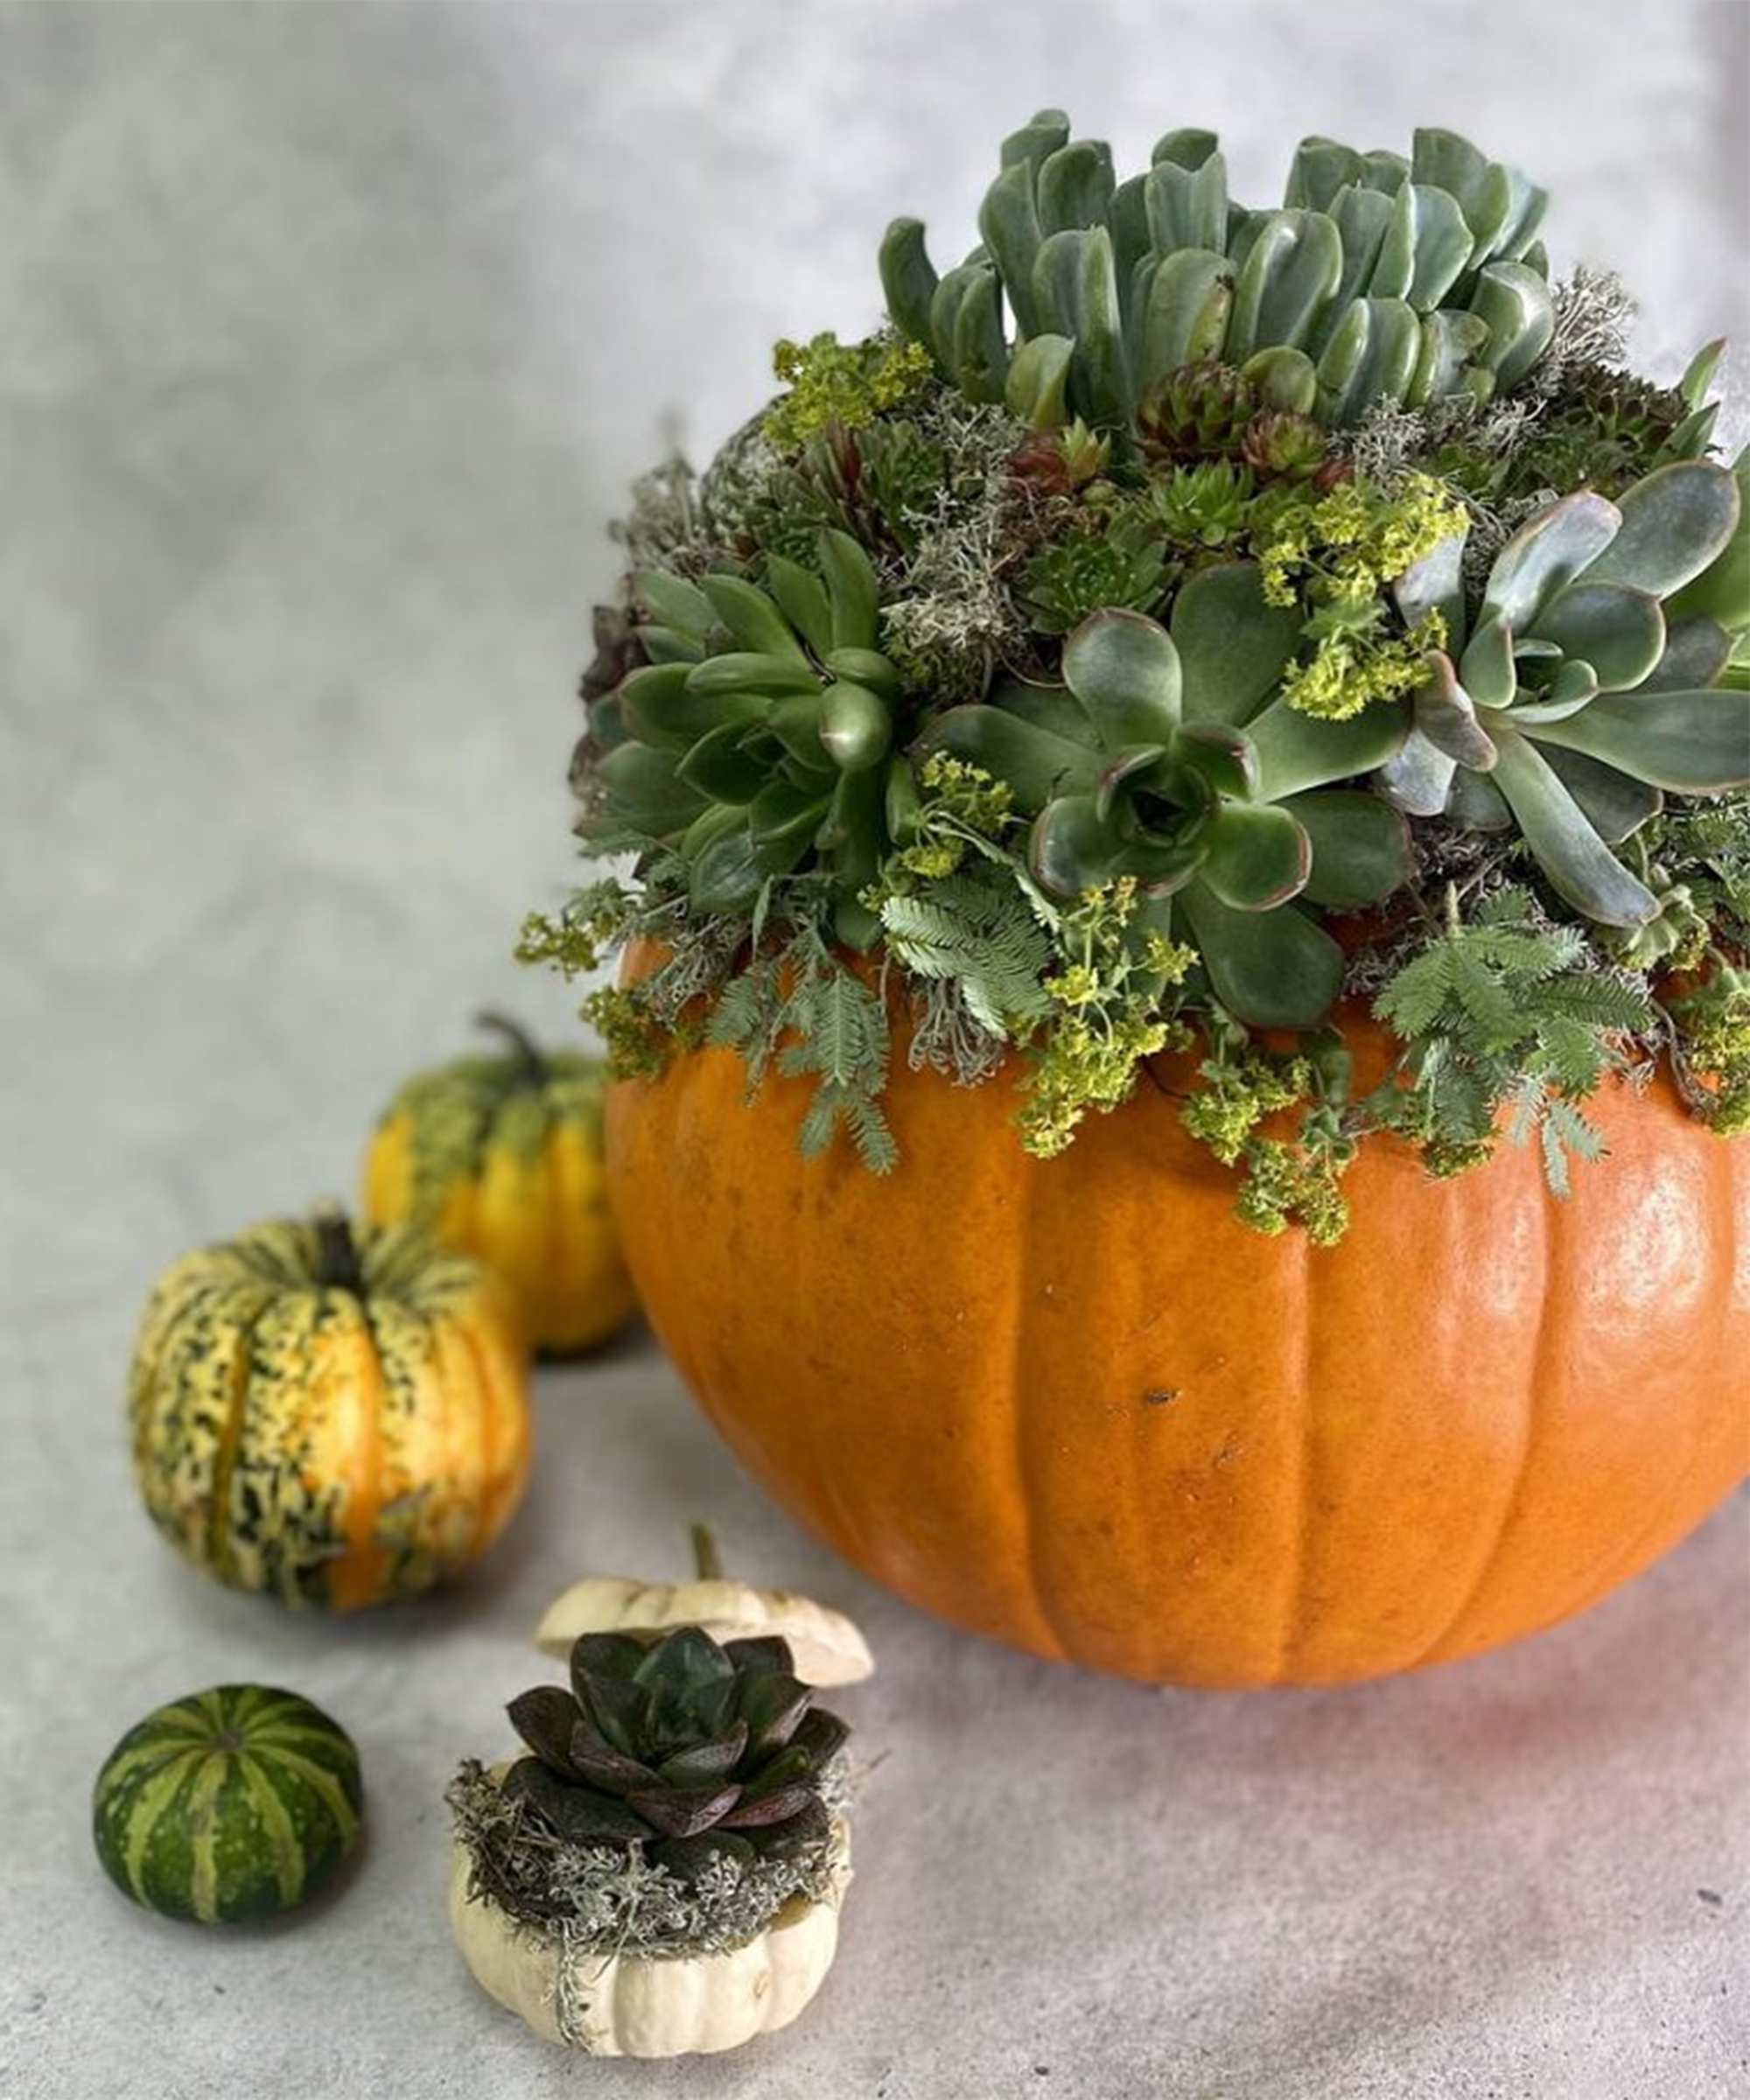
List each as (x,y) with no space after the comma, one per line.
(331,1420)
(228,1805)
(499,1157)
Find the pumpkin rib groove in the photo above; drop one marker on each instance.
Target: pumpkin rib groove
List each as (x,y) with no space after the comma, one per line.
(1550,1301)
(1018,1361)
(1303,1398)
(490,1487)
(220,1547)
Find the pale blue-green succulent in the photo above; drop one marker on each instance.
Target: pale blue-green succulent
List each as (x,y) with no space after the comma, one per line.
(1587,687)
(1380,278)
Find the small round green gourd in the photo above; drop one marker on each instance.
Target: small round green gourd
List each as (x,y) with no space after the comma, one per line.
(231,1804)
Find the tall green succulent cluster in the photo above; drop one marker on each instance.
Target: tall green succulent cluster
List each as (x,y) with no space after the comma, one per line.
(1379,278)
(1169,583)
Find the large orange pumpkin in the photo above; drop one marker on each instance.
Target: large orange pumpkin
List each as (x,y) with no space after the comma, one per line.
(1077,1405)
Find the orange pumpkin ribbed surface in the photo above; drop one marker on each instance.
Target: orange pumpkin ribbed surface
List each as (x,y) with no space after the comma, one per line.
(1076,1404)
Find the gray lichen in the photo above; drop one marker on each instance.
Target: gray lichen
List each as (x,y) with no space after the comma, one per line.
(606,1900)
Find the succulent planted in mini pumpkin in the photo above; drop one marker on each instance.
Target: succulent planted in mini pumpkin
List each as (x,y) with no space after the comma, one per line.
(682,1748)
(1170,755)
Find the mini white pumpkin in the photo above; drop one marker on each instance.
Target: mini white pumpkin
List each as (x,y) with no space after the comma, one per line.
(642,2006)
(827,1646)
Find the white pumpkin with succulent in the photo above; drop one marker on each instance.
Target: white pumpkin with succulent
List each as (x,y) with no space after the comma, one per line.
(662,1873)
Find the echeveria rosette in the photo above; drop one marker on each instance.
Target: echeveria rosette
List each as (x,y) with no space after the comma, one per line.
(1379,279)
(755,759)
(1578,699)
(688,1750)
(1169,756)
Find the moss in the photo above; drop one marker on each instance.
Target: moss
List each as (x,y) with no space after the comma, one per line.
(609,1900)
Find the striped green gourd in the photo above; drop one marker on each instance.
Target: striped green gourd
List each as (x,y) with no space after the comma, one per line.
(230,1804)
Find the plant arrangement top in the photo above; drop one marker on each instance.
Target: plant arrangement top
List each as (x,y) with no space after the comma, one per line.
(1198,629)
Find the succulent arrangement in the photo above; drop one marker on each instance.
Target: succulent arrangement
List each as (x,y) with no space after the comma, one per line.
(1187,638)
(672,1799)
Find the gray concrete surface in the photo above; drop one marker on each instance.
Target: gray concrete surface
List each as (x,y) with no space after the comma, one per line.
(331,336)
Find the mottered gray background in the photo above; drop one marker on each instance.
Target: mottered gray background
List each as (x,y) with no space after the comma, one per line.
(330,335)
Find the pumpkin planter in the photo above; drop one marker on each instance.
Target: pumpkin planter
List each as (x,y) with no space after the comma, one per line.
(661,1874)
(1185,1033)
(628,2005)
(1148,1440)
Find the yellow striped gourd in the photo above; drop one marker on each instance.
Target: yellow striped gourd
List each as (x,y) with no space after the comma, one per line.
(330,1419)
(500,1157)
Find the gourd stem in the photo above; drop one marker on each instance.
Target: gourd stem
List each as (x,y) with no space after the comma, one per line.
(534,1071)
(705,1562)
(338,1266)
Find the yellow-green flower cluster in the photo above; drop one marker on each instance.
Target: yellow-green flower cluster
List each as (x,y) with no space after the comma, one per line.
(1106,1017)
(1340,553)
(1358,661)
(1356,539)
(1713,1023)
(1238,1094)
(960,802)
(638,1045)
(1289,1184)
(851,384)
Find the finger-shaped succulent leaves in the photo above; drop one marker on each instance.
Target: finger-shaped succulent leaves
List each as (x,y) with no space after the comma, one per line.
(1167,760)
(670,1743)
(758,739)
(1380,278)
(1579,698)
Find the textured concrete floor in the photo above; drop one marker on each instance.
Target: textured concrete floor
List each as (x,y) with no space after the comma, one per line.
(331,336)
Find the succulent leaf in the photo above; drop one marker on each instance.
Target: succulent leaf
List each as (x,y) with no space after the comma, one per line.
(1546,556)
(545,1717)
(751,618)
(1674,523)
(1692,743)
(1295,752)
(1036,763)
(1580,867)
(1620,632)
(1124,670)
(1254,856)
(1232,646)
(1359,847)
(1271,970)
(1614,803)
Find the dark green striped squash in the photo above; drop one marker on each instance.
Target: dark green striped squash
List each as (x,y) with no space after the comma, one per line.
(230,1804)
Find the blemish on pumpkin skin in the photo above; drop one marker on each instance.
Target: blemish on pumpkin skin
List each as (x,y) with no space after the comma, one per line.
(1161,1396)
